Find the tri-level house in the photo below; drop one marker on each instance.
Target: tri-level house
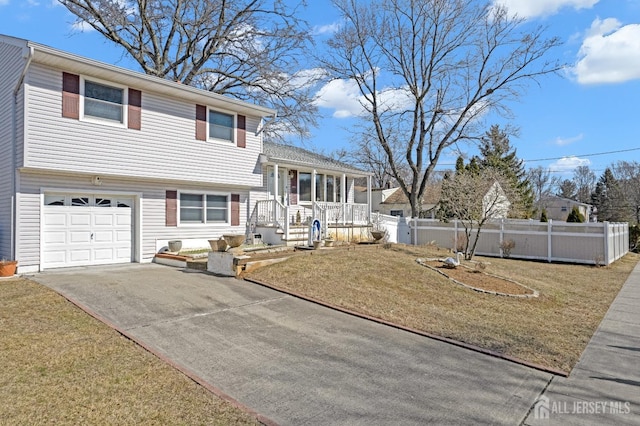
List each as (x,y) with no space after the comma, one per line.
(100,164)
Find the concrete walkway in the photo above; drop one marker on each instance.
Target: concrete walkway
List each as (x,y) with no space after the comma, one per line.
(604,387)
(298,363)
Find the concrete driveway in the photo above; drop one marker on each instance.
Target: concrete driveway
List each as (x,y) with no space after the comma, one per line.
(296,362)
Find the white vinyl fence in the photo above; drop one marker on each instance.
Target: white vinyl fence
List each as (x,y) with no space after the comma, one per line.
(591,243)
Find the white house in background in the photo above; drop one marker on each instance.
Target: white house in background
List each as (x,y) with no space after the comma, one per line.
(100,164)
(495,204)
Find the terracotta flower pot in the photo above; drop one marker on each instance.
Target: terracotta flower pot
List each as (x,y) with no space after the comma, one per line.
(8,268)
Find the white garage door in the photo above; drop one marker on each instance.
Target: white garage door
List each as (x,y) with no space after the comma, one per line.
(81,230)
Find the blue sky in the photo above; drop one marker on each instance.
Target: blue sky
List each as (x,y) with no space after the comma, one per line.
(592,109)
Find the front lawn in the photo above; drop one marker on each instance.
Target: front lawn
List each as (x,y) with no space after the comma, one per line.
(551,330)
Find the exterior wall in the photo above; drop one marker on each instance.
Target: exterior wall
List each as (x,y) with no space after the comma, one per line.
(164,148)
(11,65)
(554,207)
(150,209)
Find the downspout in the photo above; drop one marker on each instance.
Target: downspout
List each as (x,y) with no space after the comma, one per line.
(14,155)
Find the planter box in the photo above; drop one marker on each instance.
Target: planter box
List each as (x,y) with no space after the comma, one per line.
(8,268)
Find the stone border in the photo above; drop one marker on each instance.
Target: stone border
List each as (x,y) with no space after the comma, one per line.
(535,293)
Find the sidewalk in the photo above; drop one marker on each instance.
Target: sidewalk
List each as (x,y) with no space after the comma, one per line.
(604,387)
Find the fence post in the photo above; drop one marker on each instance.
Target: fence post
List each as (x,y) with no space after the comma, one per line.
(605,232)
(501,238)
(549,243)
(455,236)
(414,225)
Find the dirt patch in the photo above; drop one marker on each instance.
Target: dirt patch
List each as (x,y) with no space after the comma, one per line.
(477,280)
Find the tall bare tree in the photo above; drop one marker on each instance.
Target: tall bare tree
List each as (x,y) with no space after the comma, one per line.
(585,181)
(430,70)
(628,175)
(248,49)
(542,182)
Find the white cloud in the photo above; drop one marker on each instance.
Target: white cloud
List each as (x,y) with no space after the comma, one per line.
(326,29)
(345,98)
(4,2)
(568,141)
(534,8)
(610,53)
(341,95)
(568,164)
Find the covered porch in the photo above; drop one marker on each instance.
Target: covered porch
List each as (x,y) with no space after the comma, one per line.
(302,187)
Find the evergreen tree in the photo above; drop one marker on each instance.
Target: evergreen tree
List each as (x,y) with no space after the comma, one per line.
(543,216)
(607,197)
(496,153)
(575,216)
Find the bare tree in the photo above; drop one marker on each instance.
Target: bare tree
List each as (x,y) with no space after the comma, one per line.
(248,49)
(567,189)
(628,175)
(429,71)
(585,181)
(474,198)
(541,181)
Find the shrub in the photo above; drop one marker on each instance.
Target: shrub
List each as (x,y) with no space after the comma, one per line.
(575,216)
(543,216)
(507,246)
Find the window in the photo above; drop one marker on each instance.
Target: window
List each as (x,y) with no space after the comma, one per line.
(320,188)
(204,208)
(330,187)
(221,126)
(563,208)
(399,213)
(305,186)
(103,102)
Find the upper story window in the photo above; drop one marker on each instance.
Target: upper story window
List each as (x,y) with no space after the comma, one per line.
(103,102)
(221,126)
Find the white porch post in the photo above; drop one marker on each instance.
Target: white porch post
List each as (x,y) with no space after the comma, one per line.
(276,172)
(369,198)
(343,197)
(313,186)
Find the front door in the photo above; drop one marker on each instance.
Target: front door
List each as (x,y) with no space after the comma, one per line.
(283,186)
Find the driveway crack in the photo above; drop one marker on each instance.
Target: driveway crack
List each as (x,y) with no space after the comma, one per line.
(204,314)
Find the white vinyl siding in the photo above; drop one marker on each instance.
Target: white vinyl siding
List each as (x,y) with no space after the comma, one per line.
(11,66)
(165,148)
(150,205)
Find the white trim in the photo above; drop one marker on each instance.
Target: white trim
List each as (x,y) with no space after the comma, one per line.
(234,132)
(205,223)
(125,102)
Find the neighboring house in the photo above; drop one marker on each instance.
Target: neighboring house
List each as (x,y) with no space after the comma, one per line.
(495,203)
(558,208)
(394,202)
(100,164)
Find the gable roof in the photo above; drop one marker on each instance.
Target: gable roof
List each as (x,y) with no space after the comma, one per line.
(66,61)
(295,156)
(431,195)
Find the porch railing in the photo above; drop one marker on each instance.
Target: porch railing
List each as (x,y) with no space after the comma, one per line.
(274,213)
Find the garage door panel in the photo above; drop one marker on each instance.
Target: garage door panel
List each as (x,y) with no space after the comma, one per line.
(52,237)
(124,218)
(103,219)
(103,254)
(104,236)
(55,219)
(79,255)
(86,235)
(83,236)
(80,219)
